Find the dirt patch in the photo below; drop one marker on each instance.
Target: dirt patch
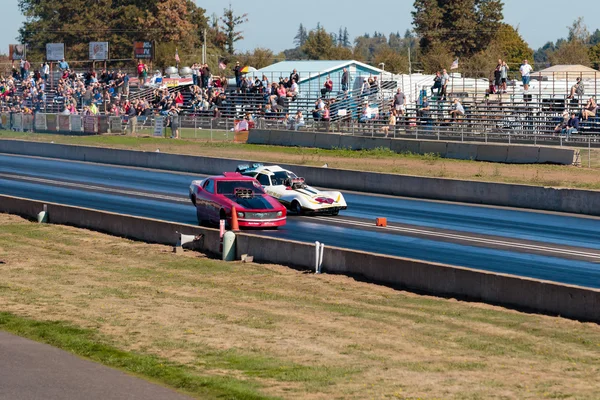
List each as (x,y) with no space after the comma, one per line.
(297,335)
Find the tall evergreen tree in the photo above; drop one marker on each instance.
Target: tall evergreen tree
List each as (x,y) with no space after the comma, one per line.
(346,39)
(340,38)
(301,36)
(230,23)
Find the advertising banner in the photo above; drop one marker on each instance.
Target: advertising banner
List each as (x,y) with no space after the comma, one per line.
(159,126)
(5,120)
(103,124)
(90,124)
(64,123)
(51,122)
(28,122)
(98,51)
(16,51)
(40,122)
(17,122)
(55,51)
(75,123)
(143,50)
(115,125)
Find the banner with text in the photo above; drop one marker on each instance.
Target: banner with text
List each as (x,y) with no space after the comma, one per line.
(143,50)
(159,126)
(98,51)
(64,123)
(40,122)
(55,51)
(75,123)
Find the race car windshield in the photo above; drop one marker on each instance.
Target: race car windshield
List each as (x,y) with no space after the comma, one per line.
(280,177)
(228,187)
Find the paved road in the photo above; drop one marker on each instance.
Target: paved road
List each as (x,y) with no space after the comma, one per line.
(36,371)
(549,246)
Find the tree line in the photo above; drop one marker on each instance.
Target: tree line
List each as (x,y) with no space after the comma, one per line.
(471,30)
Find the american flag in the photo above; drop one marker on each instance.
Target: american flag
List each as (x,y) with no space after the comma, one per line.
(222,63)
(177,56)
(454,64)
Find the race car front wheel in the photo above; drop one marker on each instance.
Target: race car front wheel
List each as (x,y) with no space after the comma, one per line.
(296,207)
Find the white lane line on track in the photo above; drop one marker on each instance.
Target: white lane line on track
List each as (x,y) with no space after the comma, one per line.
(466,238)
(92,187)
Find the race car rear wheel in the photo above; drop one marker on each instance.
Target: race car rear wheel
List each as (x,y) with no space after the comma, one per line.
(336,212)
(296,207)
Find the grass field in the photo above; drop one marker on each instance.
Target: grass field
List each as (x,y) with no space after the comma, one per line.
(232,330)
(379,160)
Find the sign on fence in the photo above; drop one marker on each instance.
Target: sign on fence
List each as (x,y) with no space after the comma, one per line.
(143,50)
(5,120)
(64,123)
(102,124)
(159,126)
(17,122)
(98,51)
(28,122)
(40,122)
(75,123)
(90,124)
(115,125)
(55,51)
(16,51)
(51,122)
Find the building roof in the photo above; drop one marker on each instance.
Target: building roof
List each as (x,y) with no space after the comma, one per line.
(309,68)
(569,70)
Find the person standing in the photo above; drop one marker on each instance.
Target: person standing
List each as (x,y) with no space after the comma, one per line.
(525,71)
(345,80)
(45,71)
(294,77)
(445,80)
(237,71)
(504,75)
(174,121)
(399,102)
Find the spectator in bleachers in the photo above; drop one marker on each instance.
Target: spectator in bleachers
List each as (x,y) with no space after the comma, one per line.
(317,112)
(562,124)
(63,65)
(345,80)
(399,102)
(525,71)
(299,121)
(590,109)
(445,80)
(457,111)
(294,90)
(577,89)
(391,125)
(294,77)
(237,71)
(142,72)
(498,76)
(503,76)
(572,126)
(327,87)
(423,110)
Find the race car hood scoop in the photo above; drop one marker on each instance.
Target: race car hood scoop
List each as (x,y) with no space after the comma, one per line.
(243,193)
(252,203)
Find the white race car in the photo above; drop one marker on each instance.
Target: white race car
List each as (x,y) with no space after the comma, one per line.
(293,192)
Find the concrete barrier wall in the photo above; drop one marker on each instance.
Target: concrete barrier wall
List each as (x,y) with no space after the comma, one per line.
(504,153)
(437,279)
(500,194)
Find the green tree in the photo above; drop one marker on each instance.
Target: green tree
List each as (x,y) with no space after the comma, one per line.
(301,36)
(571,52)
(258,58)
(75,23)
(510,46)
(466,27)
(594,55)
(318,45)
(230,23)
(393,60)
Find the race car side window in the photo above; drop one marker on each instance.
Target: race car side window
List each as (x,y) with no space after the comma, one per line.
(264,179)
(209,186)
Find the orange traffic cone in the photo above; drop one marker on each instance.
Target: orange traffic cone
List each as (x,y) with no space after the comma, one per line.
(234,221)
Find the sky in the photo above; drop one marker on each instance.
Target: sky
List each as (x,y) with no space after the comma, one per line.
(274,23)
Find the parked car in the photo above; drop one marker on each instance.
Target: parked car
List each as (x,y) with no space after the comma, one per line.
(215,197)
(293,192)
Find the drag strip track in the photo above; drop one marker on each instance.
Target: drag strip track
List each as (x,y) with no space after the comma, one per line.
(540,245)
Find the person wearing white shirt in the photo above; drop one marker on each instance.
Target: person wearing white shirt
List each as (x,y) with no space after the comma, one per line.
(525,70)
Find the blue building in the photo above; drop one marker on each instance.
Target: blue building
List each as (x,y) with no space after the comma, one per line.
(313,74)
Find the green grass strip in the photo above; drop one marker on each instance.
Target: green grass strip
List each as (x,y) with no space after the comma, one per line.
(88,344)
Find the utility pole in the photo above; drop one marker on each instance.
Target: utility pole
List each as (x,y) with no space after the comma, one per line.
(204,49)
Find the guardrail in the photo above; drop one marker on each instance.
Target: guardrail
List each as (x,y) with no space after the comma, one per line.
(500,194)
(423,277)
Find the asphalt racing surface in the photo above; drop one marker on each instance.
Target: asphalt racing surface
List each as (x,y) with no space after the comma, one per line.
(550,246)
(34,371)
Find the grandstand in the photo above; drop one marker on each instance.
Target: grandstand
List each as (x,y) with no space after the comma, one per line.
(357,110)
